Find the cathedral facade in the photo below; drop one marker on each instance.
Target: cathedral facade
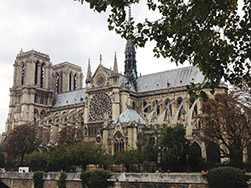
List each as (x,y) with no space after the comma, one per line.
(112,108)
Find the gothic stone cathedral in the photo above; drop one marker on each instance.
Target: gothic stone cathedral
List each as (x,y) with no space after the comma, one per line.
(112,109)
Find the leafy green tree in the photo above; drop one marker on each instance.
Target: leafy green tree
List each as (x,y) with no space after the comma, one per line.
(148,144)
(95,179)
(88,153)
(128,158)
(38,179)
(36,160)
(59,158)
(61,181)
(173,146)
(227,177)
(209,34)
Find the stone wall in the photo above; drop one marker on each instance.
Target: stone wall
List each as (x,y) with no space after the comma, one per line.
(118,180)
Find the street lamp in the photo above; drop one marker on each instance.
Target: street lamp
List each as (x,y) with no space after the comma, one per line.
(187,158)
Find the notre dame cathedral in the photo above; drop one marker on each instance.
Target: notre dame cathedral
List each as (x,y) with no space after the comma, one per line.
(112,108)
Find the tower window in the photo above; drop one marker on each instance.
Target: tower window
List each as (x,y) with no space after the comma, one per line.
(70,82)
(23,72)
(57,83)
(75,82)
(42,76)
(36,72)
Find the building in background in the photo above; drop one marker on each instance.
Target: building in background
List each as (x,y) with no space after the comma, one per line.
(112,108)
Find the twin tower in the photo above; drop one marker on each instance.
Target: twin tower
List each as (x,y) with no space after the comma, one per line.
(36,83)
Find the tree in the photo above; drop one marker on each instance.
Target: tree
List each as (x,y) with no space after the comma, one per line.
(69,135)
(173,147)
(88,153)
(128,158)
(95,178)
(25,139)
(36,160)
(148,144)
(2,160)
(227,177)
(58,158)
(226,122)
(209,34)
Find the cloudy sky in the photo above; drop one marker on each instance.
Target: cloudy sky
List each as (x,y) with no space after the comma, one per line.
(66,31)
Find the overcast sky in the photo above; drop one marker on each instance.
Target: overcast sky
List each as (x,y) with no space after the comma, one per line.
(66,31)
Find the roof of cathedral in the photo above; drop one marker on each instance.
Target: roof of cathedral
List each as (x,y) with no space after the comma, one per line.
(169,79)
(129,115)
(70,98)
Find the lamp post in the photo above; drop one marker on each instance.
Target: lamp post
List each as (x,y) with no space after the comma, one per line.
(187,158)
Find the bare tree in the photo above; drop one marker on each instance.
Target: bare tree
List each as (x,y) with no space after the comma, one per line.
(70,135)
(25,139)
(226,121)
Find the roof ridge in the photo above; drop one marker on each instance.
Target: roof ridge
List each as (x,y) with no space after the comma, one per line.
(166,71)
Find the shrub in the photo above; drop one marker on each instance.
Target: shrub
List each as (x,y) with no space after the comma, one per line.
(95,178)
(227,177)
(38,179)
(61,180)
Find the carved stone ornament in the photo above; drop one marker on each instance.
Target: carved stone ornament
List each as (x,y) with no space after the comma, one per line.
(100,105)
(101,79)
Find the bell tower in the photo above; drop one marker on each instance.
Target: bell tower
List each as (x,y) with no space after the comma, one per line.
(31,93)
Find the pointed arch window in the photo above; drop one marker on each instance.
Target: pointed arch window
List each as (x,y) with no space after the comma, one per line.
(70,75)
(169,106)
(42,76)
(179,101)
(75,82)
(57,83)
(118,142)
(36,72)
(23,73)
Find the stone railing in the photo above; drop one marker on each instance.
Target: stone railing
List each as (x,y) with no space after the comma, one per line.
(159,177)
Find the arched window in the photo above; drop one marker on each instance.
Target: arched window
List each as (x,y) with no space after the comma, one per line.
(42,114)
(133,105)
(57,83)
(179,101)
(205,99)
(36,72)
(23,72)
(144,103)
(42,76)
(70,75)
(195,111)
(196,150)
(192,100)
(36,114)
(213,153)
(75,82)
(118,142)
(169,106)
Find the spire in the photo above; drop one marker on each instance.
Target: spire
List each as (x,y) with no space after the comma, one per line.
(89,73)
(115,65)
(100,59)
(130,59)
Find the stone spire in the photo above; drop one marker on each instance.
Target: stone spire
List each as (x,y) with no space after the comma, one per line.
(130,59)
(89,73)
(115,65)
(100,59)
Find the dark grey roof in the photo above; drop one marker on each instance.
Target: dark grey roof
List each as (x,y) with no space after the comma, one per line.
(129,115)
(123,80)
(70,98)
(169,79)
